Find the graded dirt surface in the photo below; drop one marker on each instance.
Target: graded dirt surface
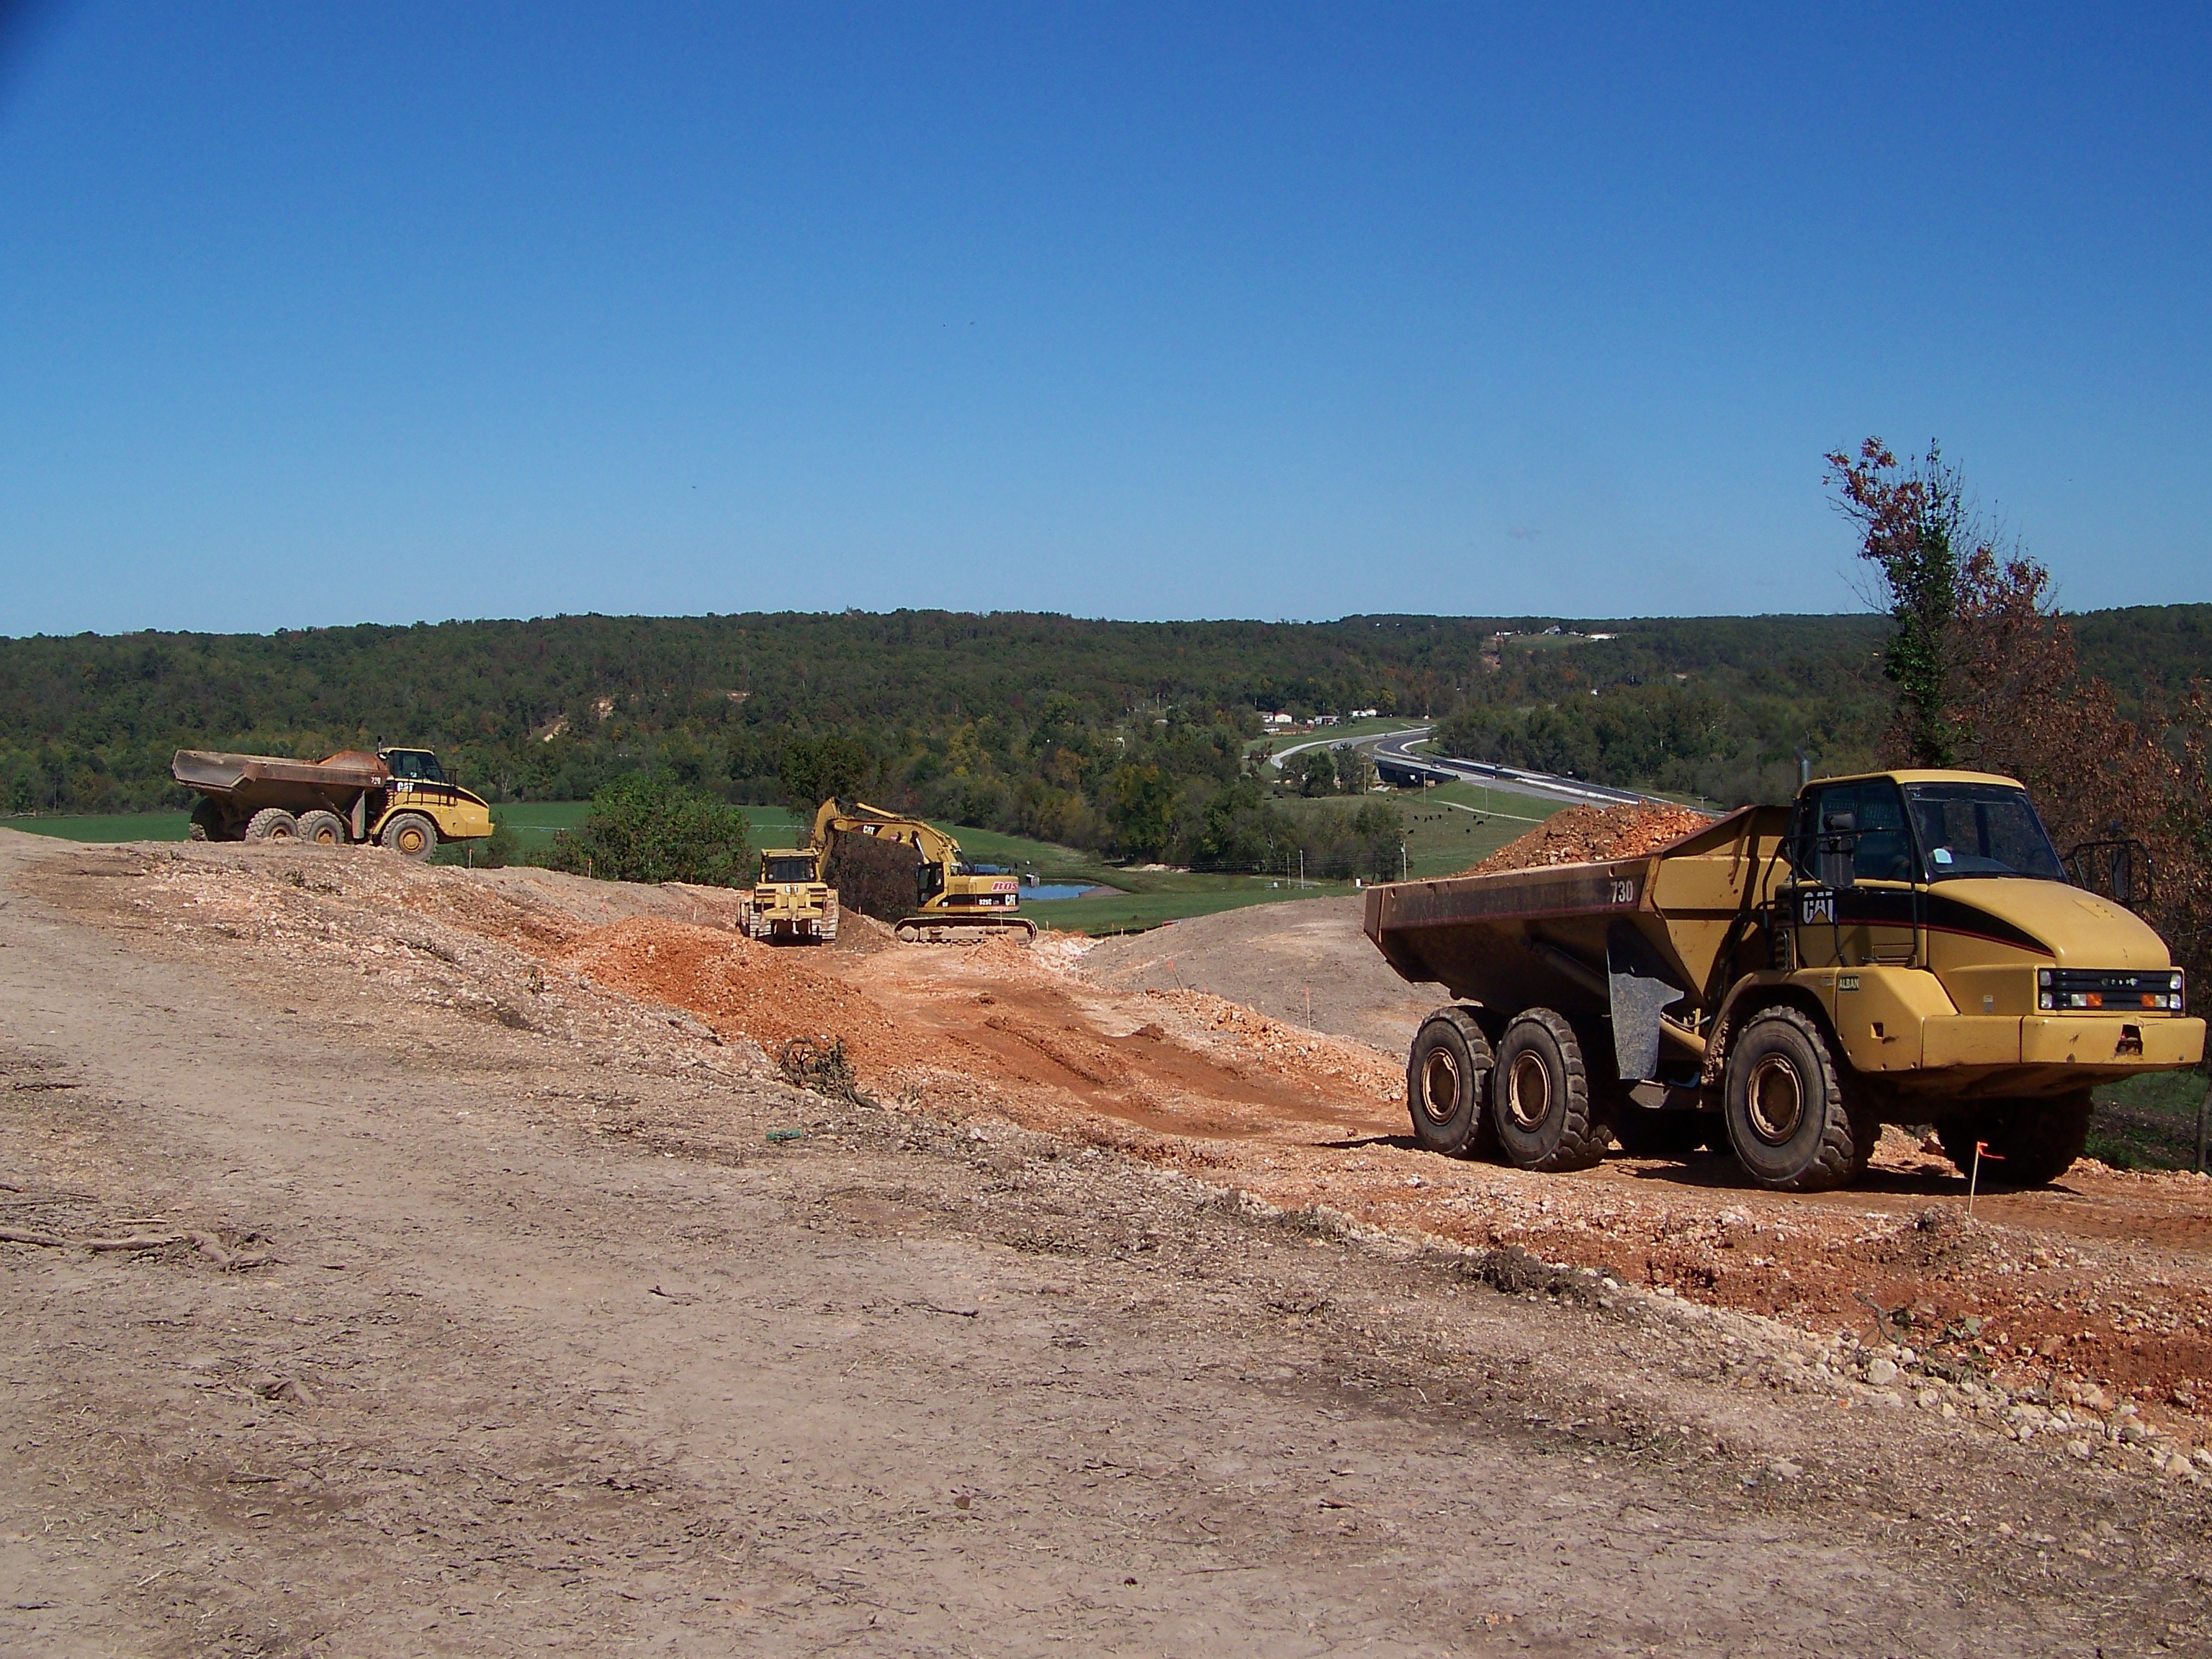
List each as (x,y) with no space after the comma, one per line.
(1305,962)
(512,1329)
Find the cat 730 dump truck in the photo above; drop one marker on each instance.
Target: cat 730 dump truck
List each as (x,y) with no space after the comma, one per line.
(1899,947)
(397,798)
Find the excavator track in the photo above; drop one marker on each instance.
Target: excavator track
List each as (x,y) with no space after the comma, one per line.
(964,930)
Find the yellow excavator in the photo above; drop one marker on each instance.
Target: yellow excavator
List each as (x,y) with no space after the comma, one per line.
(955,903)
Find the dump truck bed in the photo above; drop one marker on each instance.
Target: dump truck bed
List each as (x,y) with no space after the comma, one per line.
(215,774)
(1624,939)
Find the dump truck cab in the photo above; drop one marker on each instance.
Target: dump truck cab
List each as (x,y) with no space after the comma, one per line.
(790,904)
(1930,914)
(1903,947)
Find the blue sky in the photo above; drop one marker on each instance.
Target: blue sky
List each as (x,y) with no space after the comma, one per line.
(321,313)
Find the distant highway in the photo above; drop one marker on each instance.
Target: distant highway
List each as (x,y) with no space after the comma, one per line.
(1396,763)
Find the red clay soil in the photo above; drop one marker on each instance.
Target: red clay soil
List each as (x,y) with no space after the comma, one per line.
(1590,835)
(738,988)
(2099,1278)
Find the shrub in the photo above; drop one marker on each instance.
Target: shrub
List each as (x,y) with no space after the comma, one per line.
(645,829)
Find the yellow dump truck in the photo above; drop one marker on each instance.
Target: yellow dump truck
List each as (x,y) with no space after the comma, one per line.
(395,798)
(1897,947)
(790,904)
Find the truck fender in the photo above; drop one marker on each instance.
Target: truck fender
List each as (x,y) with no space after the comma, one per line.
(1755,991)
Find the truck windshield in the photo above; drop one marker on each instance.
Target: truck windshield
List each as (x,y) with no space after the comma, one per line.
(1982,829)
(416,763)
(788,870)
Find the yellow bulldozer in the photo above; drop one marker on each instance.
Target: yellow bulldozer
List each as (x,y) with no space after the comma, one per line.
(954,903)
(791,903)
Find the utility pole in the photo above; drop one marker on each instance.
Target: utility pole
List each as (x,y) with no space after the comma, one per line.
(1401,861)
(1301,869)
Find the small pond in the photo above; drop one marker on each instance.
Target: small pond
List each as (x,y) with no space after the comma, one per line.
(1060,889)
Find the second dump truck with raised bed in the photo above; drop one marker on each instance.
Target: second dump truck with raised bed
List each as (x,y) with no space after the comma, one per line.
(394,798)
(1898,947)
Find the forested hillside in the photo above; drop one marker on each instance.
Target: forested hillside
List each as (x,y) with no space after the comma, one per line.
(1121,736)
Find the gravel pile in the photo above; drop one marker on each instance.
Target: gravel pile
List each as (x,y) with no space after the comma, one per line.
(1591,835)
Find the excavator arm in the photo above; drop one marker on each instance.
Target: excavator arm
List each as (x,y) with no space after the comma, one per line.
(958,905)
(834,819)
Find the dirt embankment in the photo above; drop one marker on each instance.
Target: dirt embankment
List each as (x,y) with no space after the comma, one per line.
(548,1323)
(2098,1287)
(1305,963)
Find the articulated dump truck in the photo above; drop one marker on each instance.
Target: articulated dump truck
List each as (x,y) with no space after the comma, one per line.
(394,798)
(1903,947)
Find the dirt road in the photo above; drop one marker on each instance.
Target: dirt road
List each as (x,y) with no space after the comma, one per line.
(553,1347)
(1306,964)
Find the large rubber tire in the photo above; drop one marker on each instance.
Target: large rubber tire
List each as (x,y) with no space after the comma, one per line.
(321,828)
(207,822)
(1788,1121)
(1447,1074)
(272,823)
(2031,1141)
(1644,1132)
(411,835)
(1540,1104)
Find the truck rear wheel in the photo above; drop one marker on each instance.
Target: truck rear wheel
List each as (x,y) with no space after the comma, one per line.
(411,834)
(2031,1141)
(321,828)
(272,823)
(1445,1072)
(1540,1104)
(1783,1098)
(207,822)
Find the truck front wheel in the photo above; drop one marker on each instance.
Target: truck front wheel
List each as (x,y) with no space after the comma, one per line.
(412,834)
(1445,1072)
(1783,1098)
(2031,1141)
(1540,1098)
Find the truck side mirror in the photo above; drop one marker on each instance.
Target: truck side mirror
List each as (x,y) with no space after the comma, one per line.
(1839,849)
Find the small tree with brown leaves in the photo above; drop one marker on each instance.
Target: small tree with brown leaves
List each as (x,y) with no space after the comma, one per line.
(1912,520)
(2024,708)
(1987,676)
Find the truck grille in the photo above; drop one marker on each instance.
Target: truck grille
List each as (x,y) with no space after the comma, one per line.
(2115,990)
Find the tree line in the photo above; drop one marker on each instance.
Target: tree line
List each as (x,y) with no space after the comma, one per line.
(1129,738)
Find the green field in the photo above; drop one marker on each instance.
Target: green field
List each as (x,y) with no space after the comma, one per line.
(1449,827)
(2149,1122)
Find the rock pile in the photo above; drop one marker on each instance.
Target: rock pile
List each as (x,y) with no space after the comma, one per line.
(1590,835)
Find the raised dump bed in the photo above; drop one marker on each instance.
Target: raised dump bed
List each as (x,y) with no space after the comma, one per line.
(1898,947)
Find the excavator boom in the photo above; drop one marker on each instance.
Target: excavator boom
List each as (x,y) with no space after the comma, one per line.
(954,904)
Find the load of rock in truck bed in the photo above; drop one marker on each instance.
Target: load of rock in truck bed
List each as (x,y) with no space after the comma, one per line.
(1591,835)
